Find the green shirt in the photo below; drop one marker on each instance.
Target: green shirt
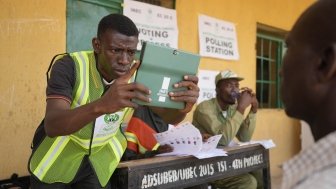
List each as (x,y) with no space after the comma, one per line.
(208,118)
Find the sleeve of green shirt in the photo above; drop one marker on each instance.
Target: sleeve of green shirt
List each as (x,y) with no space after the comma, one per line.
(247,128)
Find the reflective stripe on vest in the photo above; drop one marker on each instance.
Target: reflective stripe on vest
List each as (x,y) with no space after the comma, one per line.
(50,157)
(131,137)
(134,139)
(117,147)
(156,146)
(82,94)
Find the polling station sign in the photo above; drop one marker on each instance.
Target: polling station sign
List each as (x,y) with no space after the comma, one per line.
(156,24)
(206,84)
(218,38)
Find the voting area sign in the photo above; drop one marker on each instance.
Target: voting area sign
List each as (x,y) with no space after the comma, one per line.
(218,38)
(156,24)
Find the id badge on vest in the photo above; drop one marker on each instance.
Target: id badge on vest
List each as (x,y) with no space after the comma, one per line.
(107,124)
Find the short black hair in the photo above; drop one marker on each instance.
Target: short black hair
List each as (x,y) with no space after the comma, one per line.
(119,23)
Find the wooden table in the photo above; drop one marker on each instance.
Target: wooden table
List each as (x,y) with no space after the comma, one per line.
(179,172)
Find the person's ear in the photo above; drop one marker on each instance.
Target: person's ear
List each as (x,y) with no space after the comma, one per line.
(96,45)
(327,65)
(217,90)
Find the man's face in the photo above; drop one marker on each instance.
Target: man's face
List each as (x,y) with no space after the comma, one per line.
(297,86)
(115,53)
(225,88)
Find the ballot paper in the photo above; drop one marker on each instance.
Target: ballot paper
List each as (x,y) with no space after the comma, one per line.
(186,139)
(267,144)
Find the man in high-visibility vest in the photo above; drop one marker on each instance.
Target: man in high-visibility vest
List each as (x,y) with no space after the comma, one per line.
(79,143)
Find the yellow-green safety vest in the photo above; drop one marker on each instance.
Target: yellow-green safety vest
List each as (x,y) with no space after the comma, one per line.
(58,159)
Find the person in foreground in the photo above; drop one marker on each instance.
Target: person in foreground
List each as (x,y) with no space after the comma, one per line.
(224,115)
(310,95)
(79,143)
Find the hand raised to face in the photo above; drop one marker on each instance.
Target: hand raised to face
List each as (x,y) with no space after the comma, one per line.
(120,93)
(247,98)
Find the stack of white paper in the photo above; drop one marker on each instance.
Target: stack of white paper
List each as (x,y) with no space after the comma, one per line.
(186,139)
(267,144)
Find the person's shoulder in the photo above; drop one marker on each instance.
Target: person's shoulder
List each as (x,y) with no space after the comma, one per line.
(324,178)
(207,102)
(65,59)
(210,103)
(63,62)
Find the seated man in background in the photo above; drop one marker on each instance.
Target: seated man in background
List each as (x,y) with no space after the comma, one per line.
(224,115)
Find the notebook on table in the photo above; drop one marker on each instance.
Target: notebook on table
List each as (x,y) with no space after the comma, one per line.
(161,67)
